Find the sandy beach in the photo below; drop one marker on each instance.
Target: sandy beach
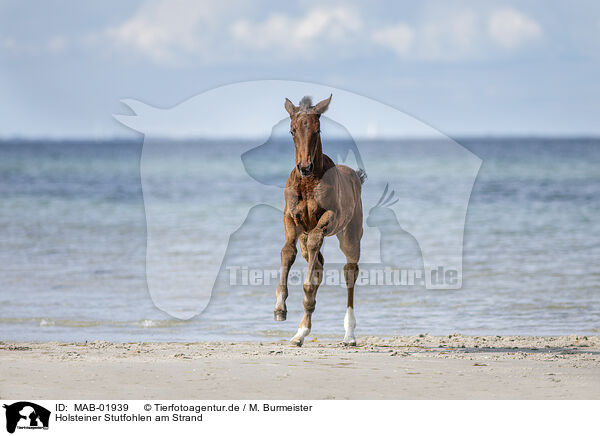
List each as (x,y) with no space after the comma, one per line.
(411,367)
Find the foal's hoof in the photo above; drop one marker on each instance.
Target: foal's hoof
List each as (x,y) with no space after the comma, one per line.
(297,342)
(349,342)
(280,315)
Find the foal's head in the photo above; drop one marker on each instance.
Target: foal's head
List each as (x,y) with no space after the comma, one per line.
(305,128)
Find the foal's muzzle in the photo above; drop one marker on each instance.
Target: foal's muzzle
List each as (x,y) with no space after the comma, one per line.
(305,170)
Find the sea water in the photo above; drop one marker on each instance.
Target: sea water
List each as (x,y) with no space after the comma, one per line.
(73,244)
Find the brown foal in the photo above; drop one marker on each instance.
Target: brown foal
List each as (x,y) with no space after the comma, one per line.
(321,199)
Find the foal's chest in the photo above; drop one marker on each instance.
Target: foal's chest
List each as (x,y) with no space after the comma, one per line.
(307,211)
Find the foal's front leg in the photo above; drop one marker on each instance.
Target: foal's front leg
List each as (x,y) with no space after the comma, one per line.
(314,277)
(288,255)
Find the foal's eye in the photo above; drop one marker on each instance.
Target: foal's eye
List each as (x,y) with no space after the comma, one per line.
(293,132)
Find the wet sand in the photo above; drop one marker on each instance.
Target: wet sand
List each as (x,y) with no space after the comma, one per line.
(410,367)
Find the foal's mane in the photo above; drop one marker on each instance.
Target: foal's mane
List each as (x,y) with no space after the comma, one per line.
(305,104)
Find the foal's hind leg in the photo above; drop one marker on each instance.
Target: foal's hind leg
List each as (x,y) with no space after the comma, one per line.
(288,255)
(350,246)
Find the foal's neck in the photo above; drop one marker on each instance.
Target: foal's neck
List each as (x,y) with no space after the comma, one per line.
(319,170)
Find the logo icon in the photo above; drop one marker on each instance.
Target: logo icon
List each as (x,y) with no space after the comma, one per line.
(26,415)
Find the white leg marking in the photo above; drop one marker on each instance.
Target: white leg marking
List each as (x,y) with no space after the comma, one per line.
(298,338)
(349,325)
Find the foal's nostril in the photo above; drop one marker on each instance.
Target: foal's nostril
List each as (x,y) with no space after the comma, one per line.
(305,170)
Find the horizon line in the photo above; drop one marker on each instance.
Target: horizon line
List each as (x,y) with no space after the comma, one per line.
(90,138)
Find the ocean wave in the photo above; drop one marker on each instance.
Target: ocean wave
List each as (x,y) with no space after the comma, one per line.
(80,323)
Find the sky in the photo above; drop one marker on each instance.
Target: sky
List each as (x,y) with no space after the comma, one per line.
(465,68)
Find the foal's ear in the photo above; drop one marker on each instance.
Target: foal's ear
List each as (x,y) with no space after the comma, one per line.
(322,106)
(289,107)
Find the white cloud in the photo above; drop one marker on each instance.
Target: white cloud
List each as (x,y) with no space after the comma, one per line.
(450,36)
(57,44)
(321,25)
(510,28)
(167,31)
(53,45)
(8,43)
(175,31)
(398,38)
(162,30)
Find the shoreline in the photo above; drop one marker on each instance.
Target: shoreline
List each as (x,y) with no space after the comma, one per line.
(404,367)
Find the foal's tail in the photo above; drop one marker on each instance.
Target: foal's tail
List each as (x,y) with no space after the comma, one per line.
(362,175)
